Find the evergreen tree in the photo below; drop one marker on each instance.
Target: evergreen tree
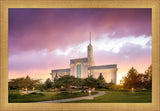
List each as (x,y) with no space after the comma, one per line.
(100,81)
(100,77)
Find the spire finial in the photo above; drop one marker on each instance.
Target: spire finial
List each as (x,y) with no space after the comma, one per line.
(90,37)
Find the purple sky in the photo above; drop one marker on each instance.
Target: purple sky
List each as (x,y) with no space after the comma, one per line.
(45,39)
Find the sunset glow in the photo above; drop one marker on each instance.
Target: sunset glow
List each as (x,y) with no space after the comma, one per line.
(44,39)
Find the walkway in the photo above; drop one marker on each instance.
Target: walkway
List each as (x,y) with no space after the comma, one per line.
(100,93)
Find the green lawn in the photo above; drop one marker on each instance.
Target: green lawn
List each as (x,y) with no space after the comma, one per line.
(120,97)
(109,97)
(16,97)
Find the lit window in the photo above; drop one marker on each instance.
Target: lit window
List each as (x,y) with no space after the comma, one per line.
(79,70)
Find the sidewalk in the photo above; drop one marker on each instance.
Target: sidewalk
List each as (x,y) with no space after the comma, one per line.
(100,93)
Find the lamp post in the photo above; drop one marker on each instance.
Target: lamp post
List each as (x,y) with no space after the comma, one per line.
(132,90)
(89,93)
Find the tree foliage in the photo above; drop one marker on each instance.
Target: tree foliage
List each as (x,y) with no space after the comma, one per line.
(48,83)
(64,81)
(90,81)
(130,81)
(79,82)
(148,79)
(100,81)
(26,83)
(138,80)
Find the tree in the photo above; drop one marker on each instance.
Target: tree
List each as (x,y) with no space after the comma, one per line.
(30,83)
(26,83)
(137,80)
(56,77)
(148,79)
(16,83)
(132,80)
(48,83)
(100,81)
(65,81)
(78,82)
(90,81)
(100,77)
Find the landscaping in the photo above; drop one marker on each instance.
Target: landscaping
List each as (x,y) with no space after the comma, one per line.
(120,97)
(134,88)
(16,97)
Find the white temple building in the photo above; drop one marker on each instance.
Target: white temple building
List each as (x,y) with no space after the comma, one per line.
(84,67)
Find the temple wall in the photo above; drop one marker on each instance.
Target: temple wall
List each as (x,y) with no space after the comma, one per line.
(59,74)
(84,67)
(88,68)
(84,70)
(72,69)
(108,74)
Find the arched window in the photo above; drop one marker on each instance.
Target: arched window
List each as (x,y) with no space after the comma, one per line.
(79,70)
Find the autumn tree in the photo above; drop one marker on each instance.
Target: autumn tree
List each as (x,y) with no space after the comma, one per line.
(138,80)
(132,80)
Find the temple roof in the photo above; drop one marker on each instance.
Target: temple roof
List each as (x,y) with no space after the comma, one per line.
(72,61)
(112,66)
(61,70)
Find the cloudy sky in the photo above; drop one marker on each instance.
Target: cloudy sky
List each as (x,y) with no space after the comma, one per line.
(44,39)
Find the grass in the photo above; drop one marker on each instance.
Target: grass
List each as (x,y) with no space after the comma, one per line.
(16,97)
(109,97)
(120,97)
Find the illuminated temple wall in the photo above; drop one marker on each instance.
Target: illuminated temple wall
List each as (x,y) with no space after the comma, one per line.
(83,62)
(109,75)
(84,67)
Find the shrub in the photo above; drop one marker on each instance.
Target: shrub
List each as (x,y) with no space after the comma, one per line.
(64,93)
(13,96)
(107,86)
(33,93)
(63,89)
(116,87)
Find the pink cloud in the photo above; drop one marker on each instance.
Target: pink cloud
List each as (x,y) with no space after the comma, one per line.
(51,28)
(35,35)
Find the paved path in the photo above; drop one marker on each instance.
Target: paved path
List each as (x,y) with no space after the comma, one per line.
(100,93)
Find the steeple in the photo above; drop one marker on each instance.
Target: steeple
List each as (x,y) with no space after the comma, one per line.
(90,52)
(89,37)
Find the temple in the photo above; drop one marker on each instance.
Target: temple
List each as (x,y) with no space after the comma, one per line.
(84,67)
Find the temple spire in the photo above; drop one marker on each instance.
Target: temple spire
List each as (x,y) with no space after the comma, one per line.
(89,37)
(90,52)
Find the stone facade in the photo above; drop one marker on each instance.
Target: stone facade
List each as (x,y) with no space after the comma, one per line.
(84,67)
